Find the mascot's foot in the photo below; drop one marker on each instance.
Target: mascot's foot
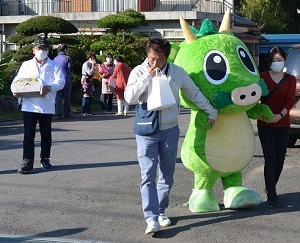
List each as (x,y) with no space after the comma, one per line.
(202,201)
(241,197)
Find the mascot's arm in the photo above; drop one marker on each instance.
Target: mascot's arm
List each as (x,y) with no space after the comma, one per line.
(260,110)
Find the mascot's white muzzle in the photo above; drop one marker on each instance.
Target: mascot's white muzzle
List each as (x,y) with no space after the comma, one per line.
(246,95)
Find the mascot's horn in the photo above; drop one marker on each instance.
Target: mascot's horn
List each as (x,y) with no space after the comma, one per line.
(187,32)
(225,25)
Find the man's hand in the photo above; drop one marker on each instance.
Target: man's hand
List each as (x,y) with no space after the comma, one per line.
(46,89)
(211,122)
(16,95)
(152,71)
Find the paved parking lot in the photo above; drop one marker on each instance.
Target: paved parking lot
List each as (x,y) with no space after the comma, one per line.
(92,192)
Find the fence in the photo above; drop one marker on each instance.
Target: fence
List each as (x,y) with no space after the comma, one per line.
(37,7)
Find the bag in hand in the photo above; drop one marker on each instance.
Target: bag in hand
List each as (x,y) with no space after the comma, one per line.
(27,87)
(145,121)
(160,95)
(111,86)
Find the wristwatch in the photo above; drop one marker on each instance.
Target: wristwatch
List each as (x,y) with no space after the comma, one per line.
(281,115)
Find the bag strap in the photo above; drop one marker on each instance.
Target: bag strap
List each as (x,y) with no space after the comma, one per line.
(167,69)
(278,85)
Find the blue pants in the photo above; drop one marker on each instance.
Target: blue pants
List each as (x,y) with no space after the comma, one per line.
(157,151)
(86,104)
(274,142)
(63,94)
(30,120)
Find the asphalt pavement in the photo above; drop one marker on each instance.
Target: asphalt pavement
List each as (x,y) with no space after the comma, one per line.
(92,192)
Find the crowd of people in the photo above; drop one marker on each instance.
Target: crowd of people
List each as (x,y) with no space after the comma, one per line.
(156,152)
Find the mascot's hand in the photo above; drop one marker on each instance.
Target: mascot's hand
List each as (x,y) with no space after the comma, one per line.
(260,111)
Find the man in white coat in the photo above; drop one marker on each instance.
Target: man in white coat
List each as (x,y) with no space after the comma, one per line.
(41,108)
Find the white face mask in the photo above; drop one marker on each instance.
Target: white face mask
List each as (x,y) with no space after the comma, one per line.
(41,54)
(109,59)
(115,62)
(277,66)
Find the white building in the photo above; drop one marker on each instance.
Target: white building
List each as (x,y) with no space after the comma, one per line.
(162,15)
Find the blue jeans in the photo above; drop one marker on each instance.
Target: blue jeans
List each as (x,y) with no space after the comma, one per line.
(274,142)
(86,104)
(30,120)
(65,94)
(157,151)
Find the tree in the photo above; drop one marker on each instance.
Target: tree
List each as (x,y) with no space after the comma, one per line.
(27,32)
(129,19)
(131,46)
(45,25)
(272,16)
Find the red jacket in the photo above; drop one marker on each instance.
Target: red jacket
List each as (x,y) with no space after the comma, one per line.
(121,73)
(284,97)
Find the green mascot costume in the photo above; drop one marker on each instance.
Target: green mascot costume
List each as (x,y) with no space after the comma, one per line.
(222,67)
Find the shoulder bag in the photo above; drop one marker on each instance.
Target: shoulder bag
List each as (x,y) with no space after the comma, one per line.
(277,86)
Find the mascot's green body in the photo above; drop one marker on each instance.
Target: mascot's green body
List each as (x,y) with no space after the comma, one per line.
(221,66)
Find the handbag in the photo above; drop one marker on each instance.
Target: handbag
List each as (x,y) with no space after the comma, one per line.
(160,95)
(111,86)
(27,87)
(145,121)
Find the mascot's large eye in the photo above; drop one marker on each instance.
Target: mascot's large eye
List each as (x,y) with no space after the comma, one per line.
(246,60)
(215,67)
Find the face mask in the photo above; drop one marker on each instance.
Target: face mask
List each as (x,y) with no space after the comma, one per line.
(115,62)
(41,54)
(109,59)
(277,66)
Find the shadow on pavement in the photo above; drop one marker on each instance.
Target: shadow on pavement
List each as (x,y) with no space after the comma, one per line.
(289,202)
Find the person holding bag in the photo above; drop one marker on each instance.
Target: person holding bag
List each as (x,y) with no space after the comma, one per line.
(107,69)
(158,149)
(274,135)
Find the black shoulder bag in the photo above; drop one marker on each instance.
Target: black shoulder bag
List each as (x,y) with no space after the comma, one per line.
(277,87)
(146,122)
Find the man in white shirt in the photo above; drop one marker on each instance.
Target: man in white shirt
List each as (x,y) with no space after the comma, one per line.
(158,151)
(41,108)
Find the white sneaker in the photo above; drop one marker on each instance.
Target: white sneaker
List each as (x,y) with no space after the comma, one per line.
(164,220)
(152,228)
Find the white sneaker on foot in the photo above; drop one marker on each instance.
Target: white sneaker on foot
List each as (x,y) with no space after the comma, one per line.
(164,220)
(152,228)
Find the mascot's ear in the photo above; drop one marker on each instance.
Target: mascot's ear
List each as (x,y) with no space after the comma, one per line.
(174,49)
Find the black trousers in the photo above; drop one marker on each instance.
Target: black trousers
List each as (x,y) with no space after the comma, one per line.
(274,142)
(107,101)
(30,120)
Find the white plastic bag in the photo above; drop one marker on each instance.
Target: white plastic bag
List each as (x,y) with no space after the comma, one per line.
(160,95)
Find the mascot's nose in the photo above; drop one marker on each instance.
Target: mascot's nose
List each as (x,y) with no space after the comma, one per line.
(246,95)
